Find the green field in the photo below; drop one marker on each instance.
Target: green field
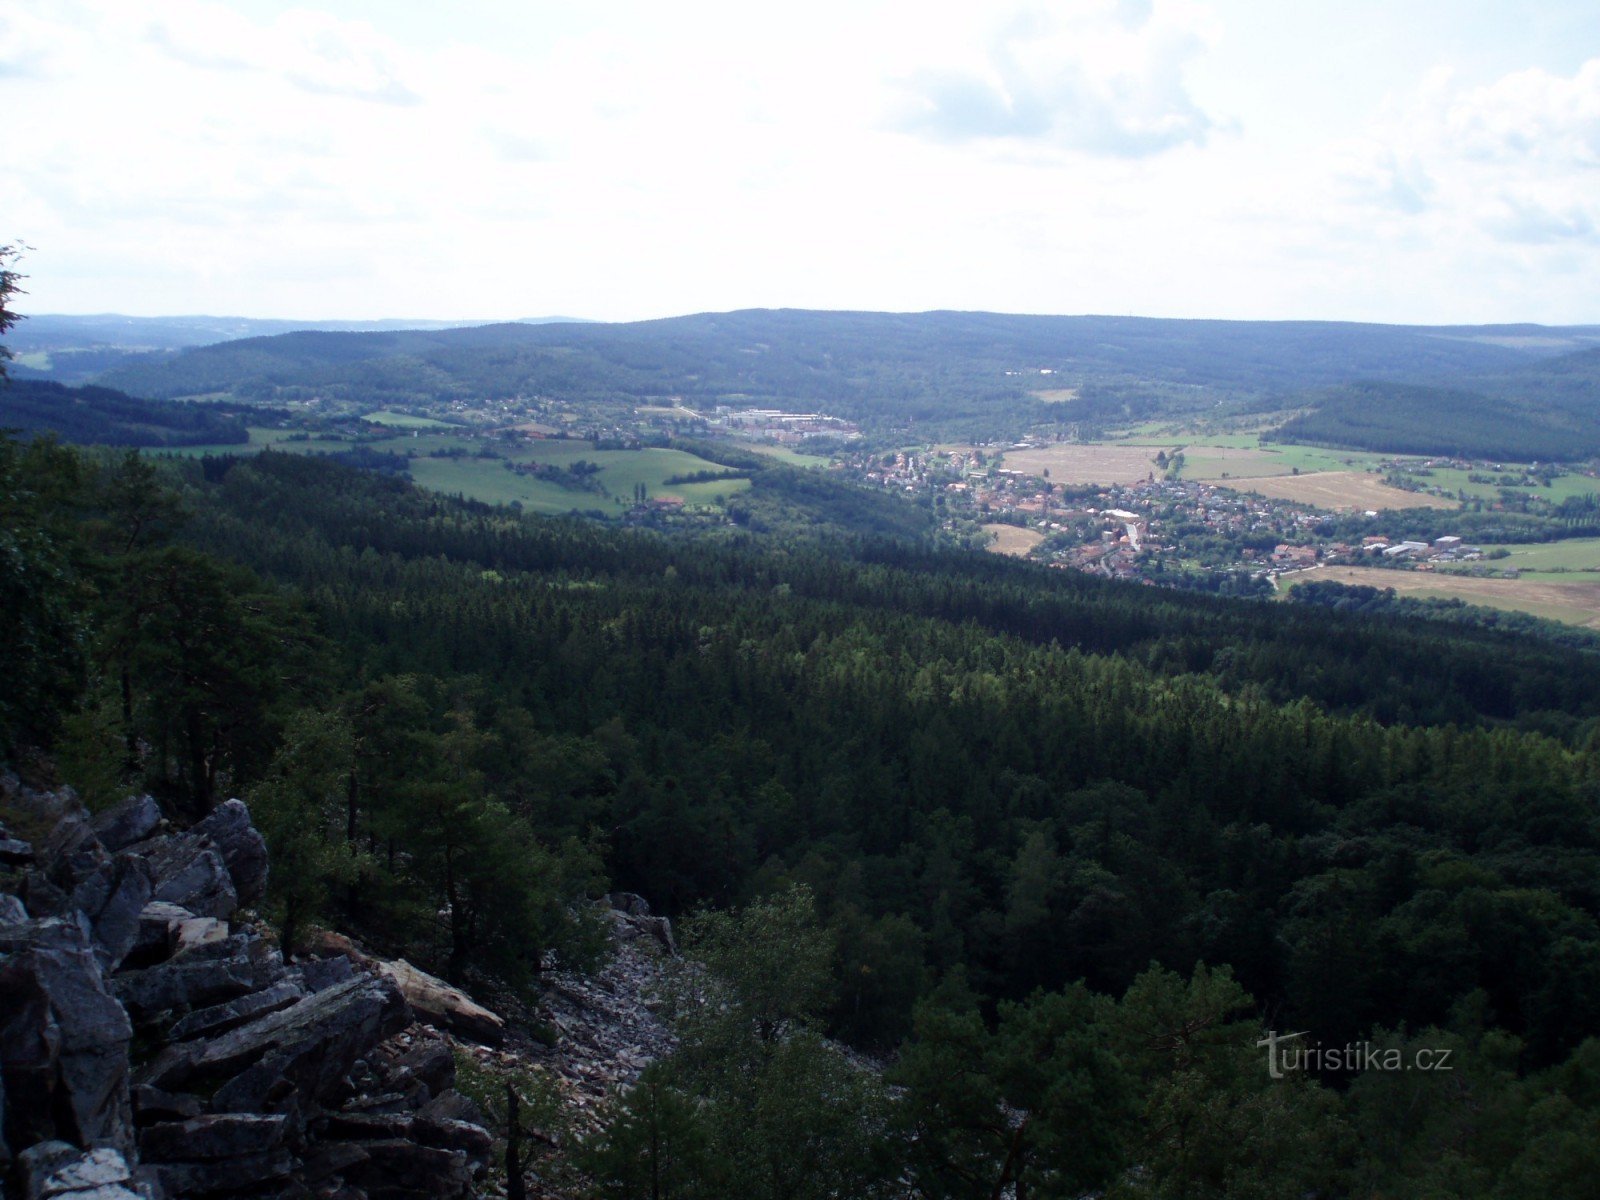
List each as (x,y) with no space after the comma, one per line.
(260,439)
(1241,457)
(1555,559)
(1561,488)
(620,470)
(396,420)
(783,454)
(488,480)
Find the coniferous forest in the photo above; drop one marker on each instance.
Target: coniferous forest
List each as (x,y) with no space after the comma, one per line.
(1057,853)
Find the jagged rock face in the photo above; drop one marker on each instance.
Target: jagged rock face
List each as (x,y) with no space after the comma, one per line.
(63,1039)
(153,1044)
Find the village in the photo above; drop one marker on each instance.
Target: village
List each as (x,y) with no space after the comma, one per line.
(1159,529)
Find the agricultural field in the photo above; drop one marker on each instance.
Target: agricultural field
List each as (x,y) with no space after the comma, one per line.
(620,471)
(1576,602)
(1213,460)
(1012,539)
(394,420)
(1558,560)
(1338,490)
(1092,463)
(783,454)
(1452,479)
(260,439)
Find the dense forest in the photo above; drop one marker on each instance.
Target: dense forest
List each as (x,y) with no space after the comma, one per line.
(969,374)
(1060,850)
(1543,411)
(104,416)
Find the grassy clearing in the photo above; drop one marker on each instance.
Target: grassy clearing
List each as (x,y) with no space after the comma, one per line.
(1012,539)
(1094,463)
(1212,461)
(260,439)
(1576,603)
(1056,395)
(1337,490)
(396,420)
(783,454)
(620,471)
(1554,558)
(1561,488)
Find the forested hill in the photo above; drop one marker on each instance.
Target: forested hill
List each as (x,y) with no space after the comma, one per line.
(1009,791)
(876,367)
(1547,410)
(106,417)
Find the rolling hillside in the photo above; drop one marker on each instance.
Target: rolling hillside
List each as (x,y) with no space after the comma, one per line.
(945,368)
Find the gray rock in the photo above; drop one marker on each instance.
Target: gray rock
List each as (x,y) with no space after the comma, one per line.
(219,1018)
(113,898)
(297,1056)
(70,853)
(190,871)
(208,974)
(321,973)
(151,1104)
(452,1106)
(444,1006)
(241,1174)
(242,848)
(15,852)
(159,922)
(63,1044)
(12,910)
(53,1169)
(401,1170)
(132,820)
(471,1139)
(214,1136)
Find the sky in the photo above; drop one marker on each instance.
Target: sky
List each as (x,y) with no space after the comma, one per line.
(1408,161)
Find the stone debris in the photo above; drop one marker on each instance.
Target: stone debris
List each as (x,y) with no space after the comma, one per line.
(153,1043)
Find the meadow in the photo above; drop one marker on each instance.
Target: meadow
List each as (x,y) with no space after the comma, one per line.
(1338,490)
(1575,602)
(1012,539)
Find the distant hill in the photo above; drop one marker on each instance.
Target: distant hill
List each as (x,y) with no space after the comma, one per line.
(949,370)
(1542,410)
(75,349)
(103,416)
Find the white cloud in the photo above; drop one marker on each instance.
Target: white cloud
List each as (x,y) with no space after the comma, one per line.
(1095,76)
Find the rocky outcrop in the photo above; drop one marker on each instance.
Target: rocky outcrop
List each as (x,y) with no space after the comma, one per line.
(154,1042)
(443,1006)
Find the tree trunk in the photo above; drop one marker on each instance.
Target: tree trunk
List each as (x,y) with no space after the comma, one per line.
(515,1189)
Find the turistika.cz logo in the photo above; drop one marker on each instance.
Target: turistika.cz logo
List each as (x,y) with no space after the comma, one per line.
(1286,1054)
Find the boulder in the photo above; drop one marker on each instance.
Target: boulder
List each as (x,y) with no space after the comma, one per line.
(446,1007)
(245,1173)
(151,1104)
(132,820)
(113,898)
(159,922)
(12,910)
(320,973)
(214,1136)
(15,853)
(243,849)
(398,1169)
(298,1055)
(71,852)
(219,1018)
(55,1169)
(208,974)
(63,1042)
(190,872)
